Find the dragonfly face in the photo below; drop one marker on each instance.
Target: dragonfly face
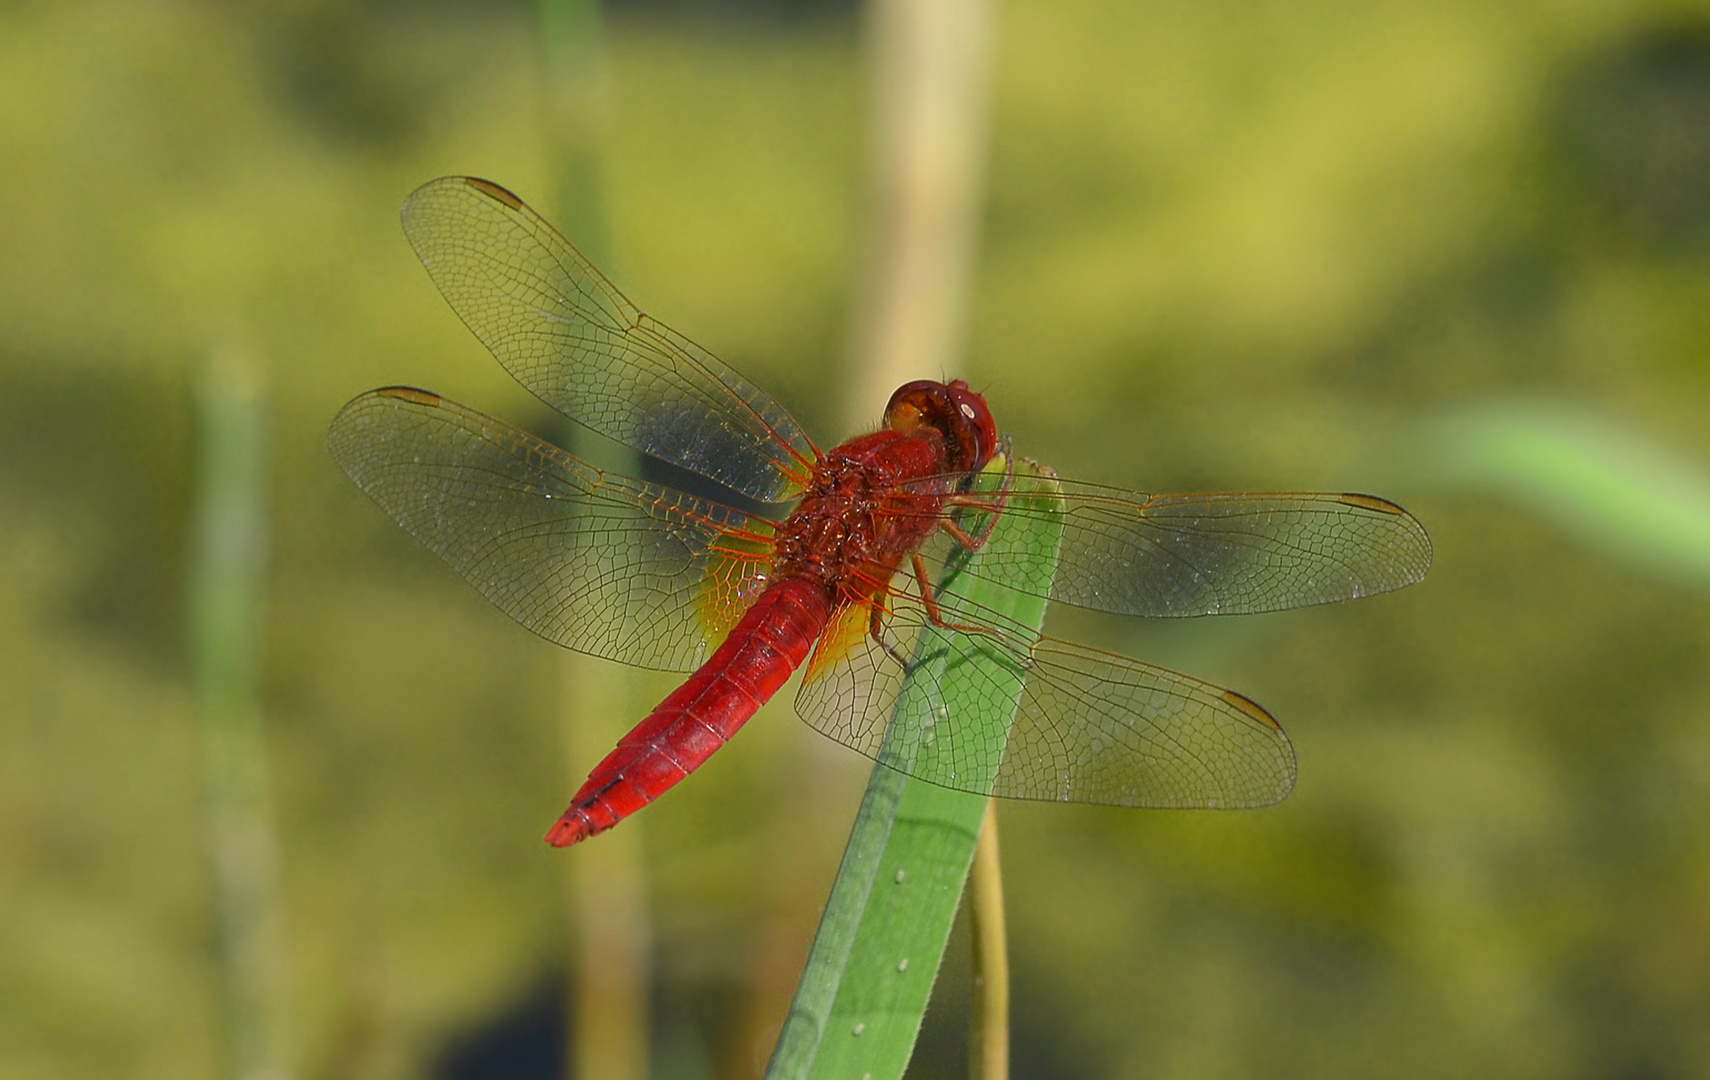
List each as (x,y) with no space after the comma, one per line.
(970,433)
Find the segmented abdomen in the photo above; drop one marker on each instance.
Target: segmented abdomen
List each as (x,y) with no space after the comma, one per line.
(771,641)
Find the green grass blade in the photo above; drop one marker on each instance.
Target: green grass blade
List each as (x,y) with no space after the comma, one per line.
(227,583)
(1622,492)
(859,1004)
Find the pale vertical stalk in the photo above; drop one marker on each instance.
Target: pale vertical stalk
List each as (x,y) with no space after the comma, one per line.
(988,1035)
(929,61)
(607,893)
(605,879)
(929,67)
(225,602)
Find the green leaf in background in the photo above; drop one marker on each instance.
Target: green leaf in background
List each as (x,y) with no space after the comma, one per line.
(1611,486)
(859,1004)
(227,594)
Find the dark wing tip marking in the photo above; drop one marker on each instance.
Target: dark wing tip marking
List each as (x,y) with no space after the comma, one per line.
(411,395)
(1384,506)
(1372,502)
(1251,708)
(494,191)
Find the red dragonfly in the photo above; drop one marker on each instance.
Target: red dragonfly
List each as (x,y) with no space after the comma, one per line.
(833,563)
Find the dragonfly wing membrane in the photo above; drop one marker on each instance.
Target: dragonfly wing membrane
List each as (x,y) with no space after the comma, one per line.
(859,694)
(1129,553)
(1178,555)
(590,560)
(567,334)
(850,684)
(1091,727)
(1096,727)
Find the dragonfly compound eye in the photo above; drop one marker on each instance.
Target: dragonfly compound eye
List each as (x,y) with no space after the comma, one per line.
(958,413)
(976,431)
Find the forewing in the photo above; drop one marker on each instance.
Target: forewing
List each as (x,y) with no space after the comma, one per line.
(1220,554)
(1091,727)
(591,560)
(565,332)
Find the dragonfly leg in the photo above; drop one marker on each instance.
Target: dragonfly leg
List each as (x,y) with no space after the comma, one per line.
(930,601)
(992,507)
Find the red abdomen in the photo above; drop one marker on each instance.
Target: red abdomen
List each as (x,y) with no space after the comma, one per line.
(771,641)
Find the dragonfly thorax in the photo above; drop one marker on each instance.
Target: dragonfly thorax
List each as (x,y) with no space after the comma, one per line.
(853,526)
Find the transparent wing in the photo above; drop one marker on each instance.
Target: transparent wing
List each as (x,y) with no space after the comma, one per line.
(1131,553)
(565,332)
(1091,726)
(593,561)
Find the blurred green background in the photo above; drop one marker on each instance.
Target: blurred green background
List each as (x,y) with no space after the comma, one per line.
(1454,253)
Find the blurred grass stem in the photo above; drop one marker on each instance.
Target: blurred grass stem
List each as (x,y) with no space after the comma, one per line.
(927,87)
(225,603)
(988,1036)
(607,894)
(928,63)
(605,882)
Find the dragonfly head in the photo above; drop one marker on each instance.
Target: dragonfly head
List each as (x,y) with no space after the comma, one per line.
(959,414)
